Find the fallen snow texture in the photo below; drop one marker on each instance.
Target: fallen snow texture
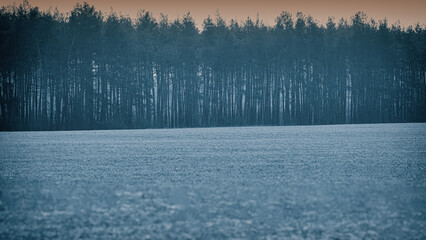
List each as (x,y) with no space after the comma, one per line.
(346,182)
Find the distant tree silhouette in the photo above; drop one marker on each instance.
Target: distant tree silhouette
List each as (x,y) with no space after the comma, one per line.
(95,71)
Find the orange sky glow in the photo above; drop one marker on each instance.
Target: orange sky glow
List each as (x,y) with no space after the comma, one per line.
(408,12)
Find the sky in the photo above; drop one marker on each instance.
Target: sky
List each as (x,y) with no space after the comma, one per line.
(409,12)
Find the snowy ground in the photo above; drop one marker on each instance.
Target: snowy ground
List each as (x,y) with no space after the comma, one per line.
(346,182)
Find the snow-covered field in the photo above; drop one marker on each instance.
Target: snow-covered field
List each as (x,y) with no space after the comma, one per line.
(346,182)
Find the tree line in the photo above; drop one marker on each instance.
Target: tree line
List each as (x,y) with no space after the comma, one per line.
(87,70)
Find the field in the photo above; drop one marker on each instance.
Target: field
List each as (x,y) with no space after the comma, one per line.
(337,181)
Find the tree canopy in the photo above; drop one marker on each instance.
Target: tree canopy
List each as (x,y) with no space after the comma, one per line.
(87,70)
